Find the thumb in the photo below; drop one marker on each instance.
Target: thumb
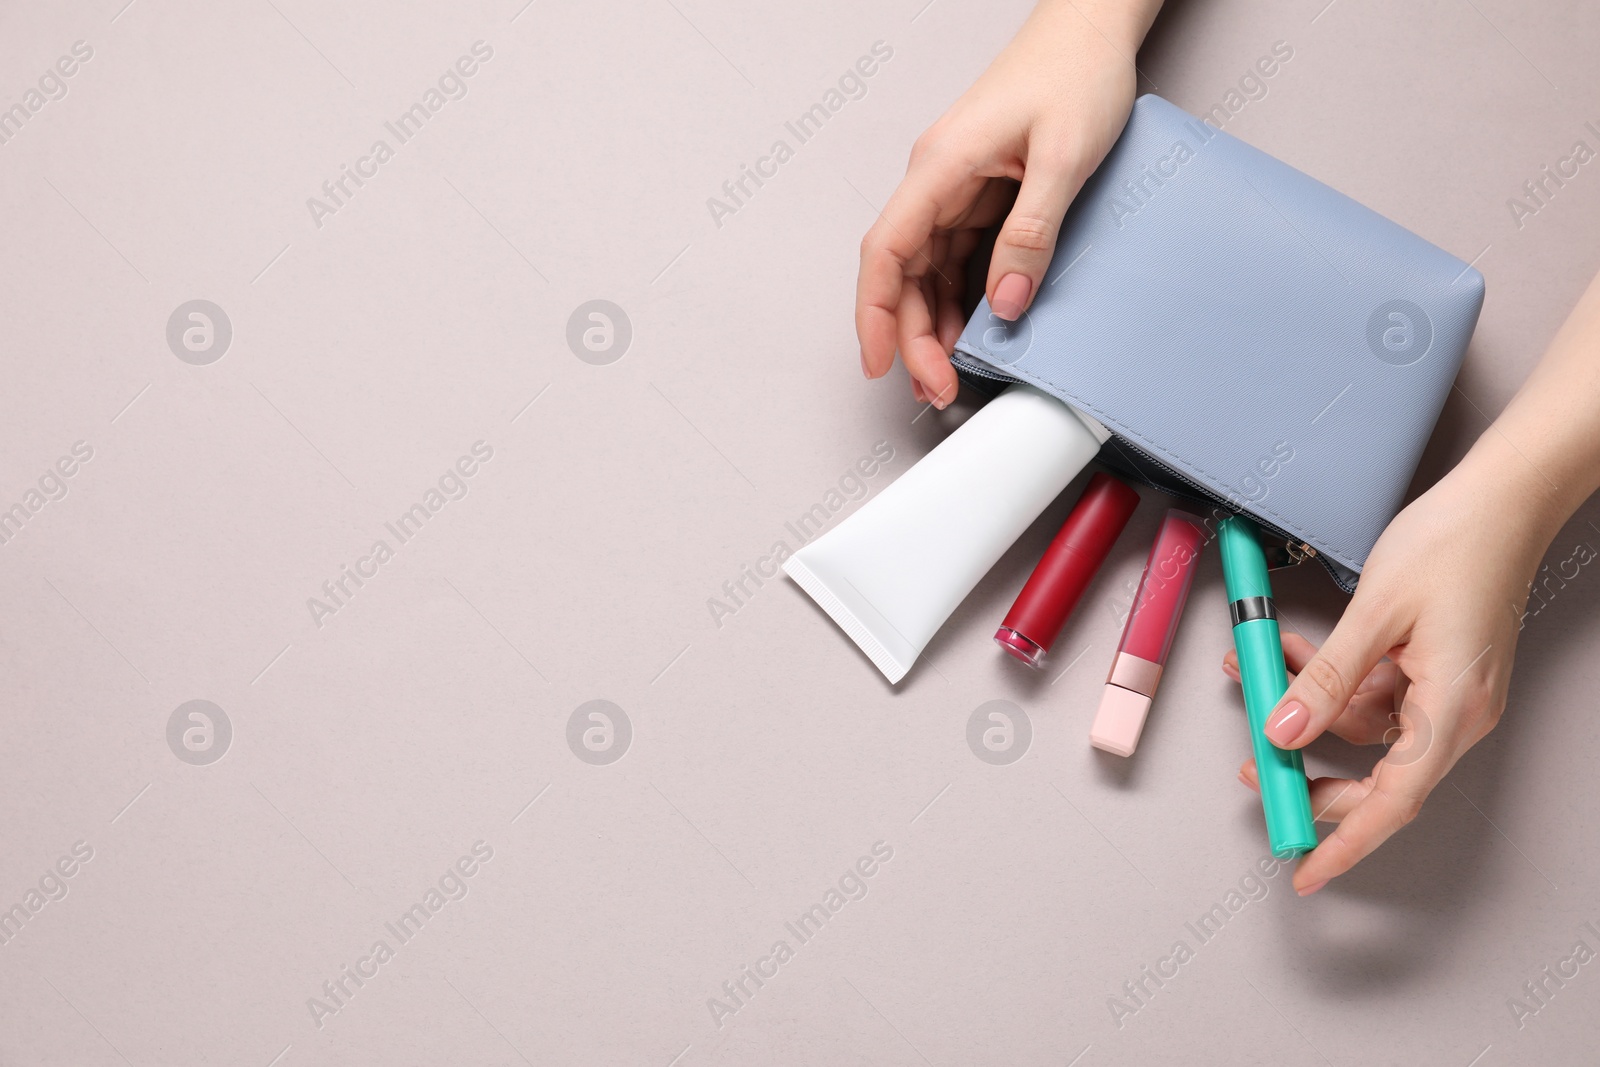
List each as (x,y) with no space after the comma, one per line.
(1026,242)
(1323,687)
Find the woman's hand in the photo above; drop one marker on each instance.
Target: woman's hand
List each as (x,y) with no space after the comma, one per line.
(1442,597)
(1044,114)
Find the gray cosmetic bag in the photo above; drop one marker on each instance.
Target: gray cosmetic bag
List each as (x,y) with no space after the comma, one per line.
(1251,337)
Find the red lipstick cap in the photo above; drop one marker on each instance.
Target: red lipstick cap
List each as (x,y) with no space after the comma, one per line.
(1067,568)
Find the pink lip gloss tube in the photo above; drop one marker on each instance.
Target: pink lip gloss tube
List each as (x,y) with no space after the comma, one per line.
(1147,637)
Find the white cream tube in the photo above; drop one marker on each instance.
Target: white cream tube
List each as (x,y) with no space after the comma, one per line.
(892,573)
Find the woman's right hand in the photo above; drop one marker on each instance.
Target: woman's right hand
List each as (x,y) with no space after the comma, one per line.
(1044,115)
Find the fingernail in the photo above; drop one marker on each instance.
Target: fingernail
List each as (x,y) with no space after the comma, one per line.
(938,400)
(1230,670)
(864,369)
(1286,724)
(1312,888)
(1011,296)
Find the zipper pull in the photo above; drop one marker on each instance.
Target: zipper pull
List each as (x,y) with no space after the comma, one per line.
(1284,554)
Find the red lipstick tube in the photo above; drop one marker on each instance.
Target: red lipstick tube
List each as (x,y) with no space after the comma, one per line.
(1066,569)
(1147,638)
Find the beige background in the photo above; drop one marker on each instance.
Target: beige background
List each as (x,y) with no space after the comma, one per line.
(426,314)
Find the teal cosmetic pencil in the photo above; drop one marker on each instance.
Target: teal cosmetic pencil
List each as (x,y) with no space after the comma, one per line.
(1285,796)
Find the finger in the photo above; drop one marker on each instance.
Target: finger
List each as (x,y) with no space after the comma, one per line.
(1331,798)
(1334,798)
(990,206)
(1322,688)
(1392,799)
(1402,688)
(894,249)
(920,349)
(1339,800)
(1027,240)
(952,287)
(1297,651)
(1369,718)
(1381,680)
(950,321)
(937,285)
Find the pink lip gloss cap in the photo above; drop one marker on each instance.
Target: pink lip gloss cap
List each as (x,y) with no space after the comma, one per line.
(1120,720)
(1124,704)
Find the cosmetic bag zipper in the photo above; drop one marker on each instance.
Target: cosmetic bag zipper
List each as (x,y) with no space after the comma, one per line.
(1294,550)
